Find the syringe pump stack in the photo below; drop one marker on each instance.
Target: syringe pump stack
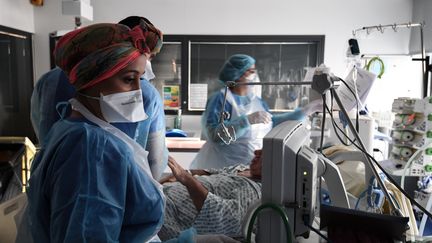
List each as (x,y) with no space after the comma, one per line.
(412,130)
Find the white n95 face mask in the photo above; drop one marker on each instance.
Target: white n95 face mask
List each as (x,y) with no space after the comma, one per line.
(148,73)
(123,107)
(251,77)
(254,90)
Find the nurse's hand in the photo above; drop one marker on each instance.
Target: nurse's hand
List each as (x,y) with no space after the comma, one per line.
(259,117)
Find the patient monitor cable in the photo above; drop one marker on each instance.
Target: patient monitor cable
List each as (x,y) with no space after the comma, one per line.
(389,177)
(394,208)
(323,123)
(412,200)
(318,233)
(424,218)
(395,183)
(429,202)
(371,158)
(330,111)
(334,124)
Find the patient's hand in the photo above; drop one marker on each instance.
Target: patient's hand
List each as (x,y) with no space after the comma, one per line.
(197,191)
(245,173)
(178,172)
(168,178)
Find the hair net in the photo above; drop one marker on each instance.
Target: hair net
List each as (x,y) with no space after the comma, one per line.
(235,67)
(97,52)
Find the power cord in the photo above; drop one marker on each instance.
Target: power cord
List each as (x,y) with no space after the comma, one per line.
(323,123)
(379,150)
(336,127)
(334,124)
(357,103)
(318,233)
(388,176)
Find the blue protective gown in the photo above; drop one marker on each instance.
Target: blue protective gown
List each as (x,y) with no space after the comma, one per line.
(54,87)
(241,125)
(86,187)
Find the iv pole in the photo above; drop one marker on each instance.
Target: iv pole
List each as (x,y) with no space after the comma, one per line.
(322,83)
(426,67)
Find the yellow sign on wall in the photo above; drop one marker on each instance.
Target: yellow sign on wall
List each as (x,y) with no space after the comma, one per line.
(171,94)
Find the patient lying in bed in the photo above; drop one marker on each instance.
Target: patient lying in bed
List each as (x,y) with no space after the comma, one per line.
(216,201)
(211,201)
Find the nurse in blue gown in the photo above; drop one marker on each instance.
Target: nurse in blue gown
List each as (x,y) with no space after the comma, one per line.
(91,182)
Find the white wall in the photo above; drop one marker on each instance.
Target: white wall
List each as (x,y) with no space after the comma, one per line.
(48,18)
(17,14)
(334,18)
(402,78)
(422,13)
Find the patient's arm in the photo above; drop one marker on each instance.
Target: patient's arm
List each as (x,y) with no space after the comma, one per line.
(171,177)
(197,191)
(199,172)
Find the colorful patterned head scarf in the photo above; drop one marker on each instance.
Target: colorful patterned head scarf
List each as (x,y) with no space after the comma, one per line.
(154,37)
(95,53)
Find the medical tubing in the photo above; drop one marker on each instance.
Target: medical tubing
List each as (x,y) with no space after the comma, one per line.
(424,218)
(357,103)
(334,122)
(378,150)
(380,61)
(323,123)
(359,198)
(330,111)
(394,209)
(386,174)
(389,177)
(279,210)
(395,183)
(410,161)
(392,180)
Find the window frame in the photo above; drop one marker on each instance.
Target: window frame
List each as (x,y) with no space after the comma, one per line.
(186,41)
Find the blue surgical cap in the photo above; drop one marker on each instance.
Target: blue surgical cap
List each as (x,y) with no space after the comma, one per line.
(235,67)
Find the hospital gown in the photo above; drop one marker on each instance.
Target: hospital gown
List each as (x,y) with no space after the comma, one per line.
(226,204)
(53,87)
(86,187)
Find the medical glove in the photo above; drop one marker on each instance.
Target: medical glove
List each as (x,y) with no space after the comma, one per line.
(297,115)
(259,117)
